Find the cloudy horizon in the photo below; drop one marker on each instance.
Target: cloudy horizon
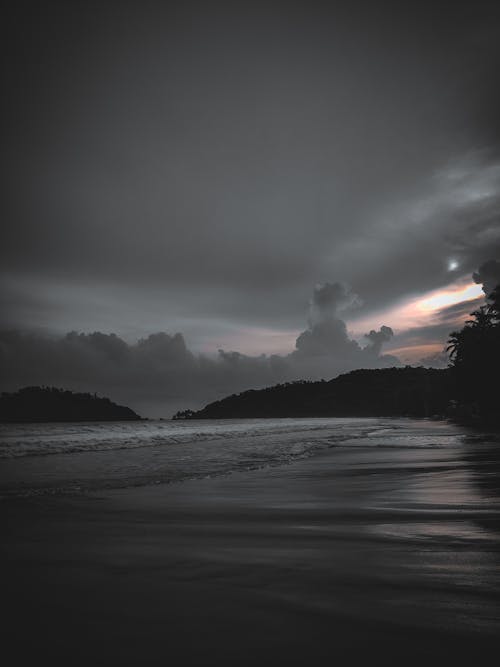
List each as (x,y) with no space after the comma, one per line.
(201,169)
(159,374)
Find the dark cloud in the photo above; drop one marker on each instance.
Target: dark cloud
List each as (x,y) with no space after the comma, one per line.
(377,339)
(213,160)
(326,338)
(488,275)
(411,246)
(329,299)
(159,374)
(327,333)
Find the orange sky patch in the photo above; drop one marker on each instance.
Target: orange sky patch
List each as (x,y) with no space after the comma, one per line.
(421,311)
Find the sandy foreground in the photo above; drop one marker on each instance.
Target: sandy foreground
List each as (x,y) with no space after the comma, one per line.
(345,558)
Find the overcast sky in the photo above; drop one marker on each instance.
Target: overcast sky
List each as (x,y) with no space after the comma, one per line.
(203,167)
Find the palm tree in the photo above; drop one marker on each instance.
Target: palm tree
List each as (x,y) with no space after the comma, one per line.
(475,358)
(454,344)
(494,304)
(482,319)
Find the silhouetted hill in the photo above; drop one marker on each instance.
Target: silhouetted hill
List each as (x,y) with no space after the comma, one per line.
(33,404)
(415,392)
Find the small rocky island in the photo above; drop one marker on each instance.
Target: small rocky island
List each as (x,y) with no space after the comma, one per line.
(50,404)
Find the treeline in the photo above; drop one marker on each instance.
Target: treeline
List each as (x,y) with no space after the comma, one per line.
(413,392)
(33,404)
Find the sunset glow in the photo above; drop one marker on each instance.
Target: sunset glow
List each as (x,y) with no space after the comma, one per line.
(421,311)
(411,354)
(449,297)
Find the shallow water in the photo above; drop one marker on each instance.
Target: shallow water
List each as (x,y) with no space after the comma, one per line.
(79,457)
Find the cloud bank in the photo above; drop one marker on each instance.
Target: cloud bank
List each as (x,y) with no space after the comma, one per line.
(159,374)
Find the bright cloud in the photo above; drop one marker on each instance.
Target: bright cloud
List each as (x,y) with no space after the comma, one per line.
(448,297)
(421,311)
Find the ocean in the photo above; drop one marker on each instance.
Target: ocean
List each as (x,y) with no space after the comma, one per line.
(59,458)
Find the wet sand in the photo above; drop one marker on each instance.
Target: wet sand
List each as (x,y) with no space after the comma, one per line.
(350,557)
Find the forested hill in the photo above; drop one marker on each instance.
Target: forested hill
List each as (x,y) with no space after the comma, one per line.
(415,392)
(33,404)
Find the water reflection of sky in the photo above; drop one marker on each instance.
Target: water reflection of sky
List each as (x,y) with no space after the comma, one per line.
(454,479)
(430,530)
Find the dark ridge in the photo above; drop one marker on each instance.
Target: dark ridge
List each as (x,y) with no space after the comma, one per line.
(412,392)
(49,404)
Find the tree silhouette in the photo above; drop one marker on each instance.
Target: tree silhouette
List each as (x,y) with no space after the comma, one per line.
(475,360)
(494,305)
(55,404)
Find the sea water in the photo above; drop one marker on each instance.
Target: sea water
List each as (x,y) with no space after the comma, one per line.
(57,458)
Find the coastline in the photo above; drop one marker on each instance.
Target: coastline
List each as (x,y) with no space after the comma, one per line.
(341,556)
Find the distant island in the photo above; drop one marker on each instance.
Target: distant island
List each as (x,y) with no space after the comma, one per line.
(413,392)
(49,404)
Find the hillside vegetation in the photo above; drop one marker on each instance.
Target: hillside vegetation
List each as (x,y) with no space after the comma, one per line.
(34,404)
(416,392)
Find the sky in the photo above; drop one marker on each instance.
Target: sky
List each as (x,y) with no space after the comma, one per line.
(242,193)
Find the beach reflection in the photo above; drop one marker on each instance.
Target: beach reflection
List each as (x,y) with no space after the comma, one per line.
(438,535)
(430,530)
